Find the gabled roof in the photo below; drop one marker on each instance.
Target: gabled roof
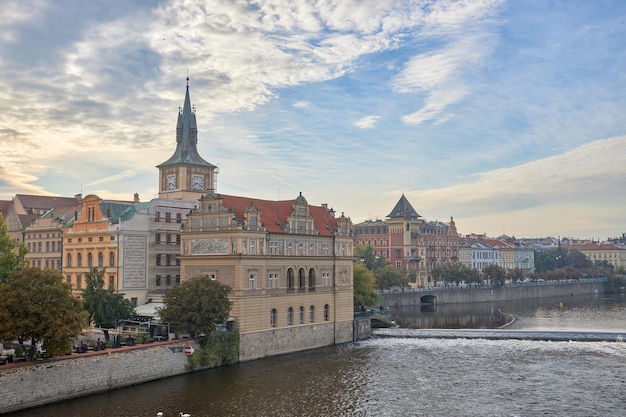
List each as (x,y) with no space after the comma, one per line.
(274,213)
(186,138)
(403,207)
(5,206)
(45,201)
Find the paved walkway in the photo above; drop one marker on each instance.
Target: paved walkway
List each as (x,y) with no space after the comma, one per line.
(503,334)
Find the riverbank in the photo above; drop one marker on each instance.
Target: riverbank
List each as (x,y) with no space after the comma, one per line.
(462,295)
(31,384)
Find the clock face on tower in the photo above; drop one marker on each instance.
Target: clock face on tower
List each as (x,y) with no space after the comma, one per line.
(197,183)
(171,182)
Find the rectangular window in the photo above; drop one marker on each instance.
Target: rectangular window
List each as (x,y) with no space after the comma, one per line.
(325,279)
(168,260)
(79,282)
(273,318)
(168,280)
(252,277)
(252,247)
(157,238)
(168,217)
(158,260)
(273,282)
(111,281)
(158,280)
(179,217)
(47,246)
(168,238)
(177,239)
(177,279)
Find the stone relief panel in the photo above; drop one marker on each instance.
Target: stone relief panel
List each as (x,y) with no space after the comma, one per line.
(213,246)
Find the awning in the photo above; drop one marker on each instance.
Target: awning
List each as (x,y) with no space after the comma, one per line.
(149,309)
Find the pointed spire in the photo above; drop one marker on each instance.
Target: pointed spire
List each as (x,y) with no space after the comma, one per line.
(186,137)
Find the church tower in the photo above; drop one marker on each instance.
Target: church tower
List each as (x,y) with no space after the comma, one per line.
(186,175)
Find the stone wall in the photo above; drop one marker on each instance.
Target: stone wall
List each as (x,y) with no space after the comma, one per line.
(56,380)
(293,339)
(480,295)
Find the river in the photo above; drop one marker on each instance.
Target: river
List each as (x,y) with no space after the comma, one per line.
(408,377)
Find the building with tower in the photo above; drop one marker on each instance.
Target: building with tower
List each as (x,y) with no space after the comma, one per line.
(410,243)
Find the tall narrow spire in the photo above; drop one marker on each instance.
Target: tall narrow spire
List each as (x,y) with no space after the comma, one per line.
(186,137)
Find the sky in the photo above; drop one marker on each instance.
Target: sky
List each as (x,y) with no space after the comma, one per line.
(509,116)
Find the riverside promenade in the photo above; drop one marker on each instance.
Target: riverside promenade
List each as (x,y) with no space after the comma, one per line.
(29,384)
(453,294)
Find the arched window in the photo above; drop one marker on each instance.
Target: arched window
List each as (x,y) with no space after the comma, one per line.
(301,278)
(311,314)
(69,259)
(273,318)
(311,279)
(326,308)
(89,260)
(79,260)
(112,259)
(301,315)
(289,316)
(290,279)
(100,259)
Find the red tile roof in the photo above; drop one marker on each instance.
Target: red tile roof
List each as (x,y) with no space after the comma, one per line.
(273,214)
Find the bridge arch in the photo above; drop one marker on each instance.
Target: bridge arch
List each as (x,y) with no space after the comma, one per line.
(428,299)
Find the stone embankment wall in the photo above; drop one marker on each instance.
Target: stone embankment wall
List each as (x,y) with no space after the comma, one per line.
(49,381)
(454,295)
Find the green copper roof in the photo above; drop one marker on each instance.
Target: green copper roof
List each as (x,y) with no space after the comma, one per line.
(186,138)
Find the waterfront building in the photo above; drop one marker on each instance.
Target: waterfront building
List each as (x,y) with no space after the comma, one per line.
(43,237)
(410,243)
(289,265)
(25,208)
(605,253)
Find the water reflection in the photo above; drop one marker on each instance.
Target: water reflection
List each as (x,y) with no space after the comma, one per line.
(573,312)
(398,377)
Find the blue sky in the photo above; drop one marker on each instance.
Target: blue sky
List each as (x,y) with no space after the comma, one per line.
(507,115)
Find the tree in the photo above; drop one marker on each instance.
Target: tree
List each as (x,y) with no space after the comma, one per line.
(545,261)
(515,275)
(577,259)
(105,306)
(37,305)
(366,255)
(197,305)
(388,277)
(364,287)
(455,272)
(12,254)
(496,274)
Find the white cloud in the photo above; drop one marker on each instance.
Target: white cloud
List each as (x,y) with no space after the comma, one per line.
(367,122)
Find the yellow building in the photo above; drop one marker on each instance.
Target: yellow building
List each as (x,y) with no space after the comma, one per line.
(289,265)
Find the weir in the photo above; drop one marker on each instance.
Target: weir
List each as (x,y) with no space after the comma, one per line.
(503,334)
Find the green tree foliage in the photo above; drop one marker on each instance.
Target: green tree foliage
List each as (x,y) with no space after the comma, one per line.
(515,275)
(577,259)
(388,277)
(545,261)
(364,286)
(455,272)
(366,255)
(104,306)
(37,305)
(12,255)
(496,274)
(197,305)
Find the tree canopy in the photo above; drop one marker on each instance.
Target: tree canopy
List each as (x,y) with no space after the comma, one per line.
(364,286)
(12,254)
(37,305)
(197,305)
(388,277)
(455,272)
(366,255)
(104,306)
(495,274)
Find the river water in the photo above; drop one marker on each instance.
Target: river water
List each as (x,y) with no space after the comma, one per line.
(409,377)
